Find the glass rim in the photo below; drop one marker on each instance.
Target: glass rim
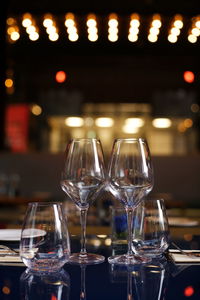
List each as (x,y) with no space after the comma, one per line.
(130,139)
(45,203)
(85,139)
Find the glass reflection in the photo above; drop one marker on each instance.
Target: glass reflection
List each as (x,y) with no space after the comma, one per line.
(144,281)
(83,288)
(51,286)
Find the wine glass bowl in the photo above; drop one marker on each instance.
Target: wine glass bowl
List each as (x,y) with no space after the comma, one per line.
(130,177)
(83,178)
(130,170)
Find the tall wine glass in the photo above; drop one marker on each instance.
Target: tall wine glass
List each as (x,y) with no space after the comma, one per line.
(82,178)
(131,178)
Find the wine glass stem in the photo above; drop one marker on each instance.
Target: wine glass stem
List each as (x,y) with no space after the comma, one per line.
(83,217)
(129,212)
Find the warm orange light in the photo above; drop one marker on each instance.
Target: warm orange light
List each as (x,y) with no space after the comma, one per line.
(6,290)
(188,291)
(8,83)
(188,76)
(188,123)
(61,76)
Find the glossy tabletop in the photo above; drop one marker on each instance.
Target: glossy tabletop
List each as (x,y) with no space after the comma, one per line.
(159,279)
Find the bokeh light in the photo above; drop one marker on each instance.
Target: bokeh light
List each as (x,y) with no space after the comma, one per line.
(188,76)
(60,76)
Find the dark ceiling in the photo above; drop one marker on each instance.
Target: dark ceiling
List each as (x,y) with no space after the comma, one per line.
(103,6)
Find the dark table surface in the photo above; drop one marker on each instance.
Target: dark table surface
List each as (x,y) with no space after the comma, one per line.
(159,279)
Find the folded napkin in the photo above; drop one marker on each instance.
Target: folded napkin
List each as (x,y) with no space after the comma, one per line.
(180,258)
(10,258)
(7,256)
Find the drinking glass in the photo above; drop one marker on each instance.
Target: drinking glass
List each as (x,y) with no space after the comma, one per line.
(150,230)
(45,244)
(82,179)
(130,179)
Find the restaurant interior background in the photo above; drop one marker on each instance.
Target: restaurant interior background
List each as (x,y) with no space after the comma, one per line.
(102,69)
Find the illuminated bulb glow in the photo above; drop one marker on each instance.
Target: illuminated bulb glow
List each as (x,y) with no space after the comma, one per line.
(10,30)
(132,37)
(162,123)
(156,23)
(34,36)
(8,82)
(134,28)
(10,21)
(51,28)
(31,28)
(74,121)
(197,24)
(194,31)
(135,23)
(152,38)
(104,122)
(92,28)
(154,30)
(172,38)
(178,24)
(175,29)
(192,38)
(73,37)
(127,128)
(136,122)
(26,22)
(15,36)
(13,30)
(47,22)
(188,76)
(60,76)
(36,110)
(53,36)
(113,28)
(70,25)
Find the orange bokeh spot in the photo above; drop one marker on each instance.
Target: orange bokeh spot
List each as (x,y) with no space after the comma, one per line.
(61,76)
(188,291)
(188,76)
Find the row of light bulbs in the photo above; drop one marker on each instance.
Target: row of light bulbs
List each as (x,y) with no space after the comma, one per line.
(131,125)
(49,22)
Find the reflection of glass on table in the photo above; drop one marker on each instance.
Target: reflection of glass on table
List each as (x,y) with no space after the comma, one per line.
(44,287)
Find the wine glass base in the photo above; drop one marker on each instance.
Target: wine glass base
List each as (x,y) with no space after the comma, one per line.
(126,259)
(87,258)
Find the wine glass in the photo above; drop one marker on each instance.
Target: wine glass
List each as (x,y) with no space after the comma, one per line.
(45,243)
(82,179)
(130,179)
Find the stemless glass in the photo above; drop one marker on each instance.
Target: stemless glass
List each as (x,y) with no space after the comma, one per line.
(45,244)
(130,179)
(82,178)
(151,232)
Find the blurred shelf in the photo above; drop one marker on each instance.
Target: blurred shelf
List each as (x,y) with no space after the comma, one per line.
(5,200)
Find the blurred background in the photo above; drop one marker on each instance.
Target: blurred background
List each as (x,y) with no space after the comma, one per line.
(103,69)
